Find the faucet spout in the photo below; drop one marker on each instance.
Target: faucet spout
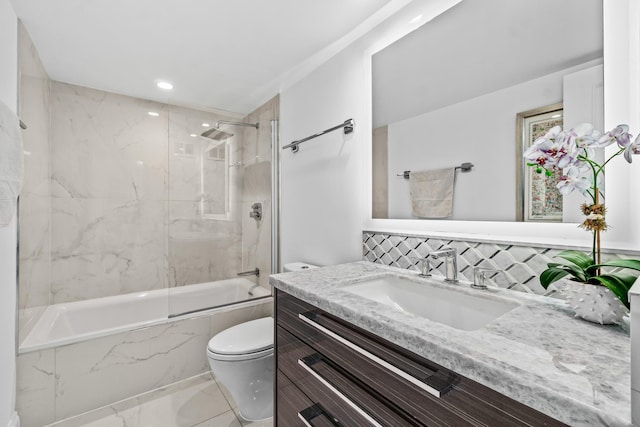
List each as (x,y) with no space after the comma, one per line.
(451,263)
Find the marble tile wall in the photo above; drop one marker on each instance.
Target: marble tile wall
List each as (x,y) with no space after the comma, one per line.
(108,209)
(35,227)
(55,384)
(126,210)
(204,217)
(189,403)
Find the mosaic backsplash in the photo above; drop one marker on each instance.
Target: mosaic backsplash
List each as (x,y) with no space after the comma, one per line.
(518,266)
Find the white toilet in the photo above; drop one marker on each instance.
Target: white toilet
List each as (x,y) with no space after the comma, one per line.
(241,358)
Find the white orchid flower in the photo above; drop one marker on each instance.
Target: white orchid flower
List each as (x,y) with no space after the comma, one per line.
(619,134)
(631,149)
(573,180)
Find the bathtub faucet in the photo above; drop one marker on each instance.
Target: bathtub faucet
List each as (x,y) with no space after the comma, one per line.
(255,272)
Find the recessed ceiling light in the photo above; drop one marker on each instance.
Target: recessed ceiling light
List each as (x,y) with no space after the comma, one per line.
(555,116)
(153,114)
(416,19)
(193,135)
(164,85)
(205,125)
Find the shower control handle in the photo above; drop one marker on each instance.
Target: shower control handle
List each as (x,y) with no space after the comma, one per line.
(256,211)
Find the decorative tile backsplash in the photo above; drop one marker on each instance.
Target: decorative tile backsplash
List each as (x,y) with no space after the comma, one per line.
(518,266)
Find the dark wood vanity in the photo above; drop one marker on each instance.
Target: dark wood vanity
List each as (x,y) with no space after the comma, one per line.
(332,373)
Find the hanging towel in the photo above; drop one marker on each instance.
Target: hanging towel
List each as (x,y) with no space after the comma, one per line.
(11,163)
(432,193)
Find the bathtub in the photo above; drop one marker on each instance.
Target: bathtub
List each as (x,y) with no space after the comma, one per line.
(73,322)
(85,355)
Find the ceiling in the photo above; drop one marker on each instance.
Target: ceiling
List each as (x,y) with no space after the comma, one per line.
(230,55)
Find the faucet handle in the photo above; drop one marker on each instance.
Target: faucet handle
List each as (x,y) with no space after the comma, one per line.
(425,270)
(479,277)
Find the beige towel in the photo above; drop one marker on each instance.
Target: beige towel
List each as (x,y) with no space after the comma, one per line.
(432,193)
(11,163)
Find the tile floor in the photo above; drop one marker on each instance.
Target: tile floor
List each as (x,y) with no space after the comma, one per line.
(195,402)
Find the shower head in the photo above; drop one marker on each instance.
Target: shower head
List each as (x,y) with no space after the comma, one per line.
(224,122)
(216,134)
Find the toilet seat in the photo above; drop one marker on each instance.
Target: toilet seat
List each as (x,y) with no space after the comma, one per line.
(249,340)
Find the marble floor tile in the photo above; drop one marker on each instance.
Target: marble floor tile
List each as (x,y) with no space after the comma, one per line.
(228,419)
(234,409)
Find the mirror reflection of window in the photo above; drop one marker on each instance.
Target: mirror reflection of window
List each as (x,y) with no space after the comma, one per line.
(449,93)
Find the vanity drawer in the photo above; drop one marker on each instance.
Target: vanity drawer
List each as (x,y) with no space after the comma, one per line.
(334,392)
(295,409)
(289,402)
(398,377)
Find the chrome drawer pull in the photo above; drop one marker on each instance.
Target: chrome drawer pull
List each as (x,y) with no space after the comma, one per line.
(372,357)
(313,411)
(339,394)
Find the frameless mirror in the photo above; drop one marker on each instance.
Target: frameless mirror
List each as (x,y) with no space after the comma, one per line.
(472,86)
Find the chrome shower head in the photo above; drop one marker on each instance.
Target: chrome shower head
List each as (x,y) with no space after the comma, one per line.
(225,122)
(216,134)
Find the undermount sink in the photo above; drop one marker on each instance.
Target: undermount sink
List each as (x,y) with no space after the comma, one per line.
(447,306)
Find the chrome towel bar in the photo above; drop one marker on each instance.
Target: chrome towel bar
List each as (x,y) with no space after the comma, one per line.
(465,167)
(348,126)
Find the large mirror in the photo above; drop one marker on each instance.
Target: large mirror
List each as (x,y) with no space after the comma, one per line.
(457,91)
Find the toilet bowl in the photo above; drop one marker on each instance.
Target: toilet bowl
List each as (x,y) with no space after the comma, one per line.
(241,358)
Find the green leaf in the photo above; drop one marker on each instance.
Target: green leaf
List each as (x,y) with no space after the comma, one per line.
(617,284)
(633,264)
(579,274)
(551,275)
(578,258)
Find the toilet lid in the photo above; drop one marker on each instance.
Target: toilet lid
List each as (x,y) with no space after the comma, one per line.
(247,337)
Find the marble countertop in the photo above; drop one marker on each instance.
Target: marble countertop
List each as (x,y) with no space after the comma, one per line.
(537,353)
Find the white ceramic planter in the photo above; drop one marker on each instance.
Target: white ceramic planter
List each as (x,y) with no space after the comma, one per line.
(594,303)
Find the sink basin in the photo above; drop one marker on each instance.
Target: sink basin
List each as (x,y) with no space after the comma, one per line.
(447,306)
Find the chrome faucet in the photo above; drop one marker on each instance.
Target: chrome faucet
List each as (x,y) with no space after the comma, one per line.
(451,263)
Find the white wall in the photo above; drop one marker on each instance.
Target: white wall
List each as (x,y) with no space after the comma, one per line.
(8,95)
(323,183)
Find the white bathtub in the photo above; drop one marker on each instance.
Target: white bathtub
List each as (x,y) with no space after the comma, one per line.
(72,322)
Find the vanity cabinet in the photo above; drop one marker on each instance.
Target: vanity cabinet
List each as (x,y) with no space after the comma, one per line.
(332,373)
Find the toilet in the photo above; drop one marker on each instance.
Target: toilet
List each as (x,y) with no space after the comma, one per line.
(241,358)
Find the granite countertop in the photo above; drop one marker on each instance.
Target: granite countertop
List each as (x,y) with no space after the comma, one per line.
(537,353)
